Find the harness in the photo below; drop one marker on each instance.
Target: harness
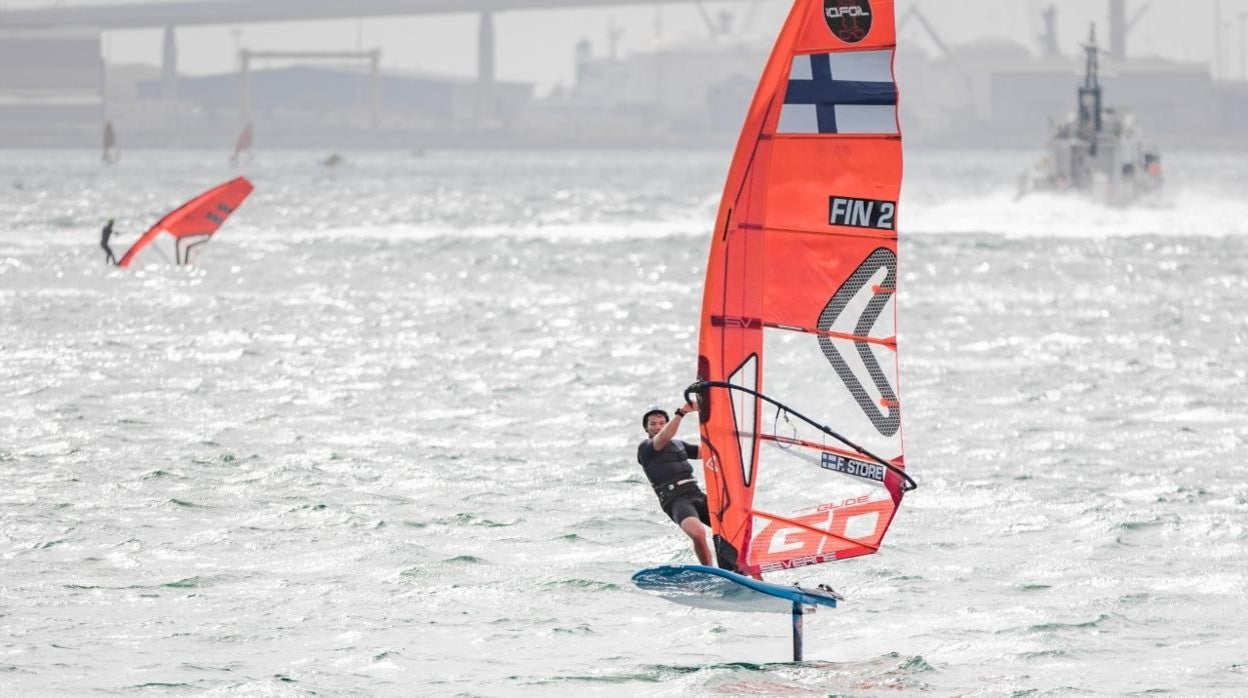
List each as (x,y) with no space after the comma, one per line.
(671,486)
(672,491)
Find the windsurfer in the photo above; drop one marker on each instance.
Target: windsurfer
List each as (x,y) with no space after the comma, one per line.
(665,461)
(105,234)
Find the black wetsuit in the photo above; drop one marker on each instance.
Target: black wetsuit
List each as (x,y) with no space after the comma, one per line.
(105,234)
(671,475)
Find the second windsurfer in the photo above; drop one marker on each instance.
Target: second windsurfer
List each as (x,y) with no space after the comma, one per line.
(665,460)
(105,234)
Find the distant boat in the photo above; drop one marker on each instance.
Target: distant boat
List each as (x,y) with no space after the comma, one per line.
(333,160)
(110,152)
(242,145)
(1099,152)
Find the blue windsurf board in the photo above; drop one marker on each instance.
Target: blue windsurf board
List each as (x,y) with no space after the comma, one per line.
(718,589)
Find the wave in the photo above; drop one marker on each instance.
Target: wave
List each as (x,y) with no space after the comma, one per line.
(1050,215)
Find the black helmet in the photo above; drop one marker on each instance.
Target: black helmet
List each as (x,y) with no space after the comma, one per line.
(653,409)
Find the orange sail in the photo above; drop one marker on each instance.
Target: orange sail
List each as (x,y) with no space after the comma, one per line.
(797,361)
(194,222)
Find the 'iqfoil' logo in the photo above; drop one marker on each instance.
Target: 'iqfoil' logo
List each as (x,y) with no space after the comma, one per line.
(849,20)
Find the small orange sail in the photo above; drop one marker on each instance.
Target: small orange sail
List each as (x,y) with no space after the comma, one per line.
(797,364)
(193,223)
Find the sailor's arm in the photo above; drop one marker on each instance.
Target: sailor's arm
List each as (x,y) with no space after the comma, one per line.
(665,435)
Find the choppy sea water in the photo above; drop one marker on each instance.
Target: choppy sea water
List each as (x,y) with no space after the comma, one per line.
(380,440)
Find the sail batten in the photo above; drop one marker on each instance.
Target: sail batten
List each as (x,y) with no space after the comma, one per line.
(799,307)
(883,235)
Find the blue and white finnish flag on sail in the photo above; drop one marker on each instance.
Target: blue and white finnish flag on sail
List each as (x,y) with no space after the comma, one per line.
(851,92)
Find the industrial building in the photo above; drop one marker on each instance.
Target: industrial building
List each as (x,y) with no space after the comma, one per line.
(50,76)
(55,90)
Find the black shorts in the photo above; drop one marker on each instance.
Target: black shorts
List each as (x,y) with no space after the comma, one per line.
(686,503)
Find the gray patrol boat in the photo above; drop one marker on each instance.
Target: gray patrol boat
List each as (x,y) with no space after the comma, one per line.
(1099,151)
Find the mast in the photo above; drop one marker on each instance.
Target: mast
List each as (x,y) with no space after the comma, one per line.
(1048,39)
(1090,92)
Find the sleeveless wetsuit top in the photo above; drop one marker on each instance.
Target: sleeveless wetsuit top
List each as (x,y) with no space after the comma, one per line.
(669,465)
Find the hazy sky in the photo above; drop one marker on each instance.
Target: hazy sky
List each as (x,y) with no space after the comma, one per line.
(538,46)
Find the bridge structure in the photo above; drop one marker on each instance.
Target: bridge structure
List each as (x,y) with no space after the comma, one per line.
(183,13)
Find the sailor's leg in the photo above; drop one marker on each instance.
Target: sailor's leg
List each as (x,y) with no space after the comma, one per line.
(697,533)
